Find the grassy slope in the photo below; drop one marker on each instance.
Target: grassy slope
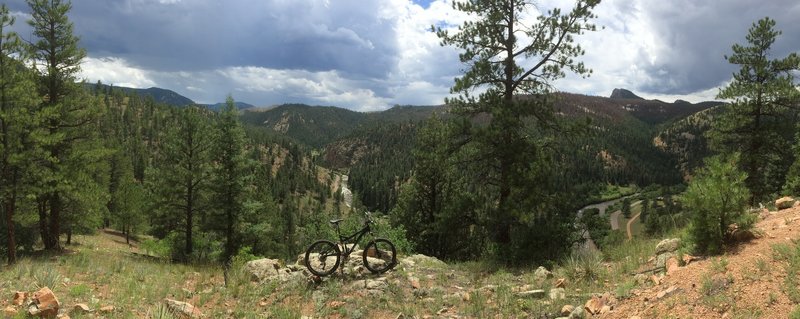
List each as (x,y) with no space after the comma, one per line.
(100,270)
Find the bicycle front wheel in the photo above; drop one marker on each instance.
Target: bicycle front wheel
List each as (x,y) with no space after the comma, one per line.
(322,257)
(379,256)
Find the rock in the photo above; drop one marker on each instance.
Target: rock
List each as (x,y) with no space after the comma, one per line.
(262,269)
(542,273)
(536,293)
(672,265)
(421,259)
(561,283)
(605,309)
(45,303)
(784,202)
(668,245)
(741,235)
(80,308)
(661,260)
(182,309)
(666,292)
(414,282)
(558,294)
(106,309)
(688,259)
(578,313)
(19,298)
(593,305)
(657,279)
(566,310)
(10,312)
(641,279)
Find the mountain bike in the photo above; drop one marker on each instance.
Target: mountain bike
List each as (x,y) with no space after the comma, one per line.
(323,256)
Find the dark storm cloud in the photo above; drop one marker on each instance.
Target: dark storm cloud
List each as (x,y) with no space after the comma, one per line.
(316,35)
(694,36)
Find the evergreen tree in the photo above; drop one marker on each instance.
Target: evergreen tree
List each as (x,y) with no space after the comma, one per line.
(68,115)
(509,153)
(233,174)
(180,183)
(756,120)
(716,199)
(16,99)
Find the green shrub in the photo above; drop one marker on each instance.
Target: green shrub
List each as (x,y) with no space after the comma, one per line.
(716,199)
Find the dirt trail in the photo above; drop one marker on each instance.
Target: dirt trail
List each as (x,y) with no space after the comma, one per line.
(630,234)
(755,288)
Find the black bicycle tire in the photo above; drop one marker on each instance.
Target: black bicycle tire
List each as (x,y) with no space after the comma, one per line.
(389,265)
(335,265)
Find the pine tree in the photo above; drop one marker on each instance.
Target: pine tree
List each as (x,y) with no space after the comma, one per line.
(233,174)
(16,100)
(759,114)
(68,116)
(509,154)
(180,182)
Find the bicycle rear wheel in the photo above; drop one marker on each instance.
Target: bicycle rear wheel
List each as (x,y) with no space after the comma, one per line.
(322,257)
(379,256)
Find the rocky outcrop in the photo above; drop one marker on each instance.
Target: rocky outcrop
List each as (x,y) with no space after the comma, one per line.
(262,269)
(668,246)
(784,202)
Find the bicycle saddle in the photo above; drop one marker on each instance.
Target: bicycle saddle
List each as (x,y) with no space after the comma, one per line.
(335,221)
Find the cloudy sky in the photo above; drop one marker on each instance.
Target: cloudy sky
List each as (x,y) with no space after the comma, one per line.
(372,54)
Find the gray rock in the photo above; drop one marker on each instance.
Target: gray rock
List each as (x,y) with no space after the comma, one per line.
(542,273)
(558,294)
(578,313)
(668,245)
(262,269)
(661,260)
(642,279)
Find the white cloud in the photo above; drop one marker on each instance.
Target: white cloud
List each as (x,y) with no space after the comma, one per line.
(112,70)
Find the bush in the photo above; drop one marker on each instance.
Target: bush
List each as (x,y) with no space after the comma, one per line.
(716,200)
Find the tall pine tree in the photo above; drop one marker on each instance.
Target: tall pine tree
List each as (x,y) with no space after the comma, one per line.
(759,115)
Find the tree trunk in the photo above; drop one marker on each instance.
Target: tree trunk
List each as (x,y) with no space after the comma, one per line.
(10,202)
(69,236)
(55,223)
(189,217)
(44,229)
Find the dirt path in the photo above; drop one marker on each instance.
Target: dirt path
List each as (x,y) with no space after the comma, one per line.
(630,235)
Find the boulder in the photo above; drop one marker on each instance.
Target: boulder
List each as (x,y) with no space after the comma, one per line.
(19,298)
(668,245)
(558,294)
(262,269)
(567,310)
(413,260)
(661,260)
(784,202)
(578,313)
(182,310)
(80,308)
(45,304)
(593,305)
(542,273)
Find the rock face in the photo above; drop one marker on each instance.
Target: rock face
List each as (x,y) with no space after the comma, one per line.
(668,245)
(45,304)
(784,202)
(182,309)
(262,269)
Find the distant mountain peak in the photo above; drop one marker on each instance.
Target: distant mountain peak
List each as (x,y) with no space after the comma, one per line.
(624,94)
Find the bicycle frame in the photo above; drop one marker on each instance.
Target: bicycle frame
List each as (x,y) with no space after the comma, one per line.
(344,241)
